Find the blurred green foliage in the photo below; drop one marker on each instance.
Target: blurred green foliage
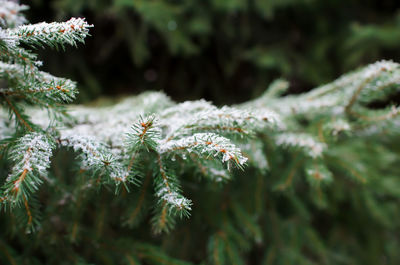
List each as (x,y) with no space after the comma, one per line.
(223,50)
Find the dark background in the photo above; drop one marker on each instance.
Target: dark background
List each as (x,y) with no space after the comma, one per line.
(226,51)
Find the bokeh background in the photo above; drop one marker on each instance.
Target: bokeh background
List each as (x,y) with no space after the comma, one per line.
(226,51)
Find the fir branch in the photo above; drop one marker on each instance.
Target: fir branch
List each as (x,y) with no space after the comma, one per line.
(212,169)
(11,53)
(206,145)
(354,97)
(95,157)
(145,133)
(39,86)
(168,191)
(226,120)
(20,118)
(28,211)
(378,116)
(55,34)
(31,156)
(162,221)
(292,173)
(132,217)
(337,126)
(306,142)
(10,14)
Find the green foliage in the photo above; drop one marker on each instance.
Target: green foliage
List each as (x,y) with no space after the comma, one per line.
(281,179)
(28,145)
(214,48)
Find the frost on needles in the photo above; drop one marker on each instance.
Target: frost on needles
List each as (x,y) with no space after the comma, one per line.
(26,144)
(149,139)
(119,145)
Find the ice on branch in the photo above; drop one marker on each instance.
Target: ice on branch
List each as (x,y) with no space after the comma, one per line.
(7,41)
(206,145)
(372,70)
(53,34)
(174,199)
(31,156)
(145,133)
(374,82)
(10,14)
(22,82)
(167,189)
(254,151)
(95,157)
(303,141)
(202,116)
(39,87)
(336,127)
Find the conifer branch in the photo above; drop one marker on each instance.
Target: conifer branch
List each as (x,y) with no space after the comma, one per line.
(31,155)
(313,136)
(140,203)
(18,115)
(28,211)
(207,144)
(10,14)
(167,189)
(145,133)
(95,157)
(354,97)
(306,142)
(55,34)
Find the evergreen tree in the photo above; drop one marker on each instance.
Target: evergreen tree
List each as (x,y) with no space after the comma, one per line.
(297,179)
(198,48)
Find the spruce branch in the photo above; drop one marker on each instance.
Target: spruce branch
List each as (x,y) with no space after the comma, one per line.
(303,141)
(206,145)
(337,126)
(202,117)
(31,158)
(55,34)
(151,139)
(20,118)
(38,87)
(95,157)
(145,134)
(168,191)
(212,169)
(133,216)
(10,14)
(162,221)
